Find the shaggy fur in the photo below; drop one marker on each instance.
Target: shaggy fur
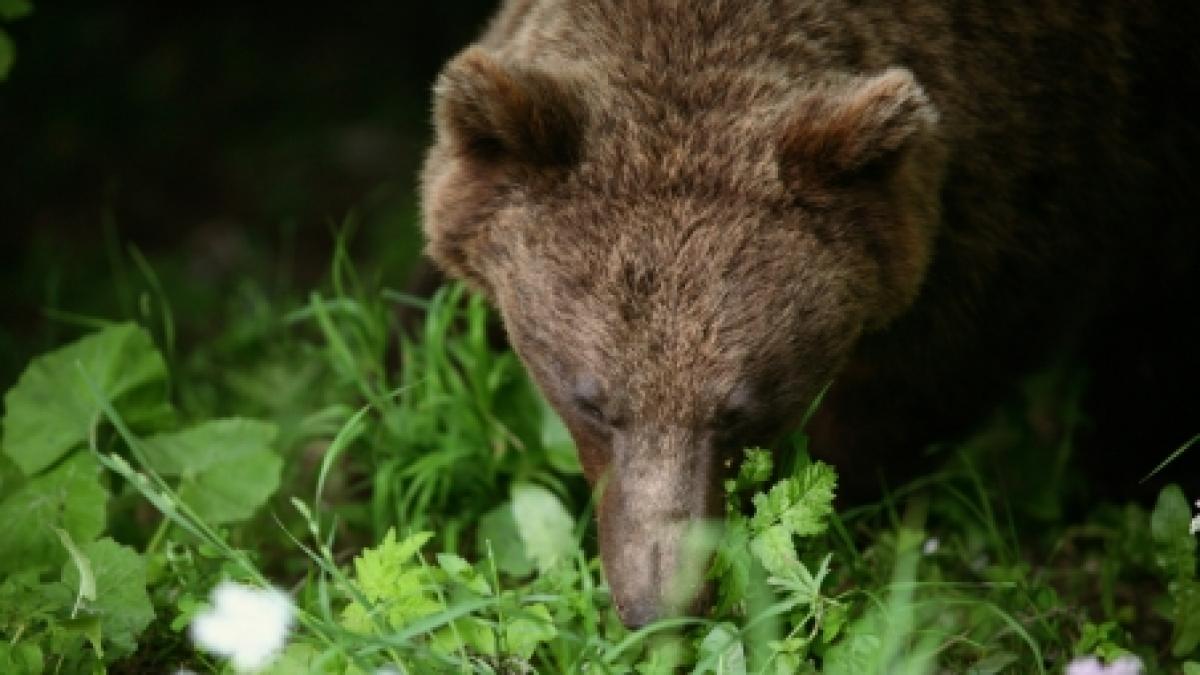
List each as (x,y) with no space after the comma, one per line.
(693,215)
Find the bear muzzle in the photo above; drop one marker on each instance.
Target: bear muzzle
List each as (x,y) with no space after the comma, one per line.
(658,528)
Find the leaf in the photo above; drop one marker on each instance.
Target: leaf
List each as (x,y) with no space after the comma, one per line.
(460,570)
(858,652)
(731,564)
(8,54)
(722,652)
(756,468)
(557,441)
(529,629)
(469,632)
(802,504)
(1186,617)
(21,658)
(500,528)
(1175,546)
(393,583)
(226,467)
(11,10)
(87,580)
(69,497)
(665,656)
(545,526)
(775,550)
(377,569)
(297,657)
(25,599)
(121,604)
(51,409)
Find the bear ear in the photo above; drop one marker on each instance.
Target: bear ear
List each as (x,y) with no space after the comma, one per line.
(490,111)
(855,128)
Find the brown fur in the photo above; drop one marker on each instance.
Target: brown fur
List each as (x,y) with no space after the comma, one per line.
(693,215)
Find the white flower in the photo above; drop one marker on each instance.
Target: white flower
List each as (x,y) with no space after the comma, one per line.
(1195,527)
(931,546)
(1090,665)
(249,625)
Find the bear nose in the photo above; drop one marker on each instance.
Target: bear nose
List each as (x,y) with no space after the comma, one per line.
(637,613)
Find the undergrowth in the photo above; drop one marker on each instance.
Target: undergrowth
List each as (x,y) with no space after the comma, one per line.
(423,508)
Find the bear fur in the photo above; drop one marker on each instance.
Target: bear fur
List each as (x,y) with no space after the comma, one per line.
(693,216)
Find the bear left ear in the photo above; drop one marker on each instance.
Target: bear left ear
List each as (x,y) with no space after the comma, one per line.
(491,111)
(860,127)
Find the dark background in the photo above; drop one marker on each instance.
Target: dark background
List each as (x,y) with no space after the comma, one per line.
(226,144)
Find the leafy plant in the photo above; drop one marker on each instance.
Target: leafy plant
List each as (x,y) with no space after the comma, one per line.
(424,506)
(10,10)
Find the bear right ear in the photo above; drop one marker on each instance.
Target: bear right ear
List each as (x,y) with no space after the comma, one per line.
(489,111)
(856,128)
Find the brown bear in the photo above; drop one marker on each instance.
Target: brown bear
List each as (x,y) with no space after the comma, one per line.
(693,215)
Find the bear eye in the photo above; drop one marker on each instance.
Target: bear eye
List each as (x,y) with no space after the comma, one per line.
(589,401)
(590,408)
(730,419)
(737,413)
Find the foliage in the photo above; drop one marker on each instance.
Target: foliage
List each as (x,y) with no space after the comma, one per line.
(425,508)
(10,10)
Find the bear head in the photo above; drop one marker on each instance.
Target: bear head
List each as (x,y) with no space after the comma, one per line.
(680,274)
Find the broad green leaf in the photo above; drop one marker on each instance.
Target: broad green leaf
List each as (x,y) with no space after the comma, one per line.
(1175,546)
(775,550)
(1191,668)
(500,528)
(121,604)
(69,496)
(226,468)
(858,652)
(665,656)
(51,409)
(722,652)
(557,441)
(529,629)
(545,526)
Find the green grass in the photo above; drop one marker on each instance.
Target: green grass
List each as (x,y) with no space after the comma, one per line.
(424,508)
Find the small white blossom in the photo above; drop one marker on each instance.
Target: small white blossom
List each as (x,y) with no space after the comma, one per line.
(931,546)
(249,625)
(1195,527)
(1090,665)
